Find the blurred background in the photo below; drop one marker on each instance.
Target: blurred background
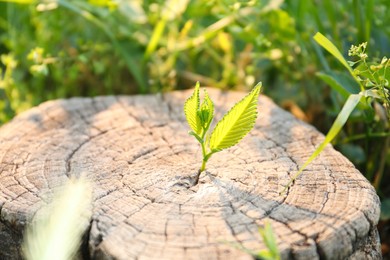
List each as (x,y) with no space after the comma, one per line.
(64,48)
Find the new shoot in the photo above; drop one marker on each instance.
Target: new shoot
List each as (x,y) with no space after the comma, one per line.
(234,125)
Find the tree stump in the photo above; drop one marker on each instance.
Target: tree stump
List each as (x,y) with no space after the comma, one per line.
(142,162)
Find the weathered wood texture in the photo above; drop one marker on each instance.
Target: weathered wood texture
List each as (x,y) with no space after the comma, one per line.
(142,162)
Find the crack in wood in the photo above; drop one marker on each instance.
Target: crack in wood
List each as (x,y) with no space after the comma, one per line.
(69,158)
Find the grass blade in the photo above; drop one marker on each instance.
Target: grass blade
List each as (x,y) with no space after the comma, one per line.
(57,230)
(341,119)
(332,49)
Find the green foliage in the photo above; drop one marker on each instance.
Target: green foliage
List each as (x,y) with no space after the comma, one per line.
(374,83)
(110,47)
(332,49)
(191,110)
(235,124)
(373,76)
(7,88)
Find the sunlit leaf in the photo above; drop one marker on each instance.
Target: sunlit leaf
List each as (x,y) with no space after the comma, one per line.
(332,49)
(191,107)
(236,123)
(206,112)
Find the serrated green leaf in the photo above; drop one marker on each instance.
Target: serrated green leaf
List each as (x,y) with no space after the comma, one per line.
(191,107)
(236,123)
(206,112)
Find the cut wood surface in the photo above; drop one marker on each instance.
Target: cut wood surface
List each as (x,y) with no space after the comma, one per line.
(142,163)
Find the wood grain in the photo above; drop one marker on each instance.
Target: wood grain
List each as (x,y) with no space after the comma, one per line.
(142,163)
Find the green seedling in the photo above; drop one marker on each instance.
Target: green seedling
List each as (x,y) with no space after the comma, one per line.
(234,125)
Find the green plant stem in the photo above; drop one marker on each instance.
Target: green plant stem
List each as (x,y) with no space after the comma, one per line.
(204,161)
(206,155)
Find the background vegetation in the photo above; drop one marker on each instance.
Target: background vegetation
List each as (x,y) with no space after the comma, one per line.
(62,48)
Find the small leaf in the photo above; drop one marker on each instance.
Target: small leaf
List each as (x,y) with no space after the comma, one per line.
(236,123)
(191,107)
(206,112)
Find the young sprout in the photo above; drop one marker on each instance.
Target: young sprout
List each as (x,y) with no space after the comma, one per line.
(234,125)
